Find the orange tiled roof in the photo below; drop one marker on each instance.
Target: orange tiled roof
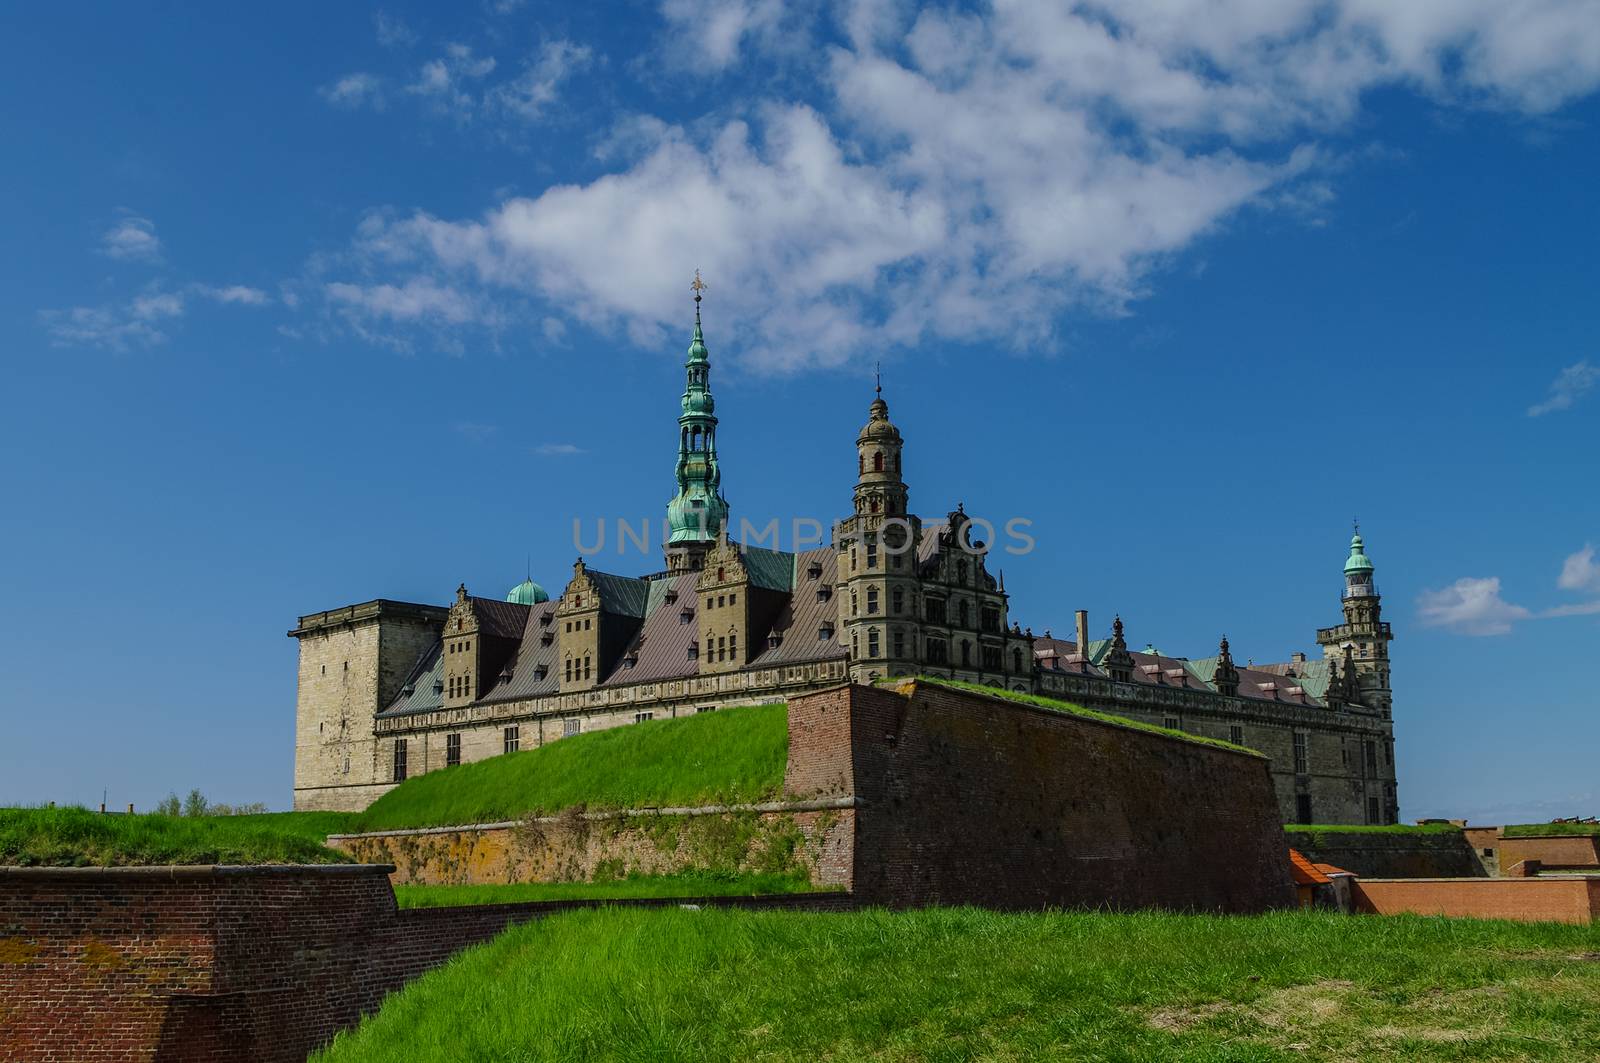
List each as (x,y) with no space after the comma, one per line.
(1329,869)
(1304,871)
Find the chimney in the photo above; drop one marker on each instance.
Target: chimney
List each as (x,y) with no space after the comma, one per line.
(1298,658)
(1082,616)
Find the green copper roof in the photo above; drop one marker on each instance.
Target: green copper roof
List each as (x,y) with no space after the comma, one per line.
(527,593)
(1359,561)
(698,512)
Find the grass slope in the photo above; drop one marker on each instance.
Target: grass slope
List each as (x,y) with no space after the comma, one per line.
(1545,830)
(77,837)
(1070,709)
(686,884)
(957,984)
(1362,828)
(734,755)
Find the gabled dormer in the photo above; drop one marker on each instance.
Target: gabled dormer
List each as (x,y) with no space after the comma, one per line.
(462,652)
(578,630)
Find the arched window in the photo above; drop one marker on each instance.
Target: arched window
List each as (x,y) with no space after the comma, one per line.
(1016,660)
(966,653)
(586,672)
(877,461)
(872,599)
(733,647)
(873,505)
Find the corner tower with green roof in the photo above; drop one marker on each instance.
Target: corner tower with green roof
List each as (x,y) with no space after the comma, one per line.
(697,514)
(1362,641)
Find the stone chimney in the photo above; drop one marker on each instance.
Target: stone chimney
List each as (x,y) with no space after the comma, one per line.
(1082,616)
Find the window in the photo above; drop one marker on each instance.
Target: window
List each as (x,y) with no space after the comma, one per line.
(1016,660)
(733,599)
(1302,808)
(824,632)
(872,555)
(897,600)
(705,708)
(1171,723)
(571,727)
(452,750)
(966,654)
(733,647)
(933,608)
(852,559)
(938,651)
(722,649)
(1301,765)
(569,669)
(877,462)
(1373,811)
(399,760)
(347,763)
(1236,735)
(961,572)
(872,643)
(641,717)
(1370,758)
(899,643)
(872,599)
(991,620)
(991,658)
(513,739)
(1388,753)
(853,602)
(961,613)
(586,672)
(721,600)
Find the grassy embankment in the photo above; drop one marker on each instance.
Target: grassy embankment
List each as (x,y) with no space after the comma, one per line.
(78,837)
(734,756)
(958,984)
(1545,830)
(1399,829)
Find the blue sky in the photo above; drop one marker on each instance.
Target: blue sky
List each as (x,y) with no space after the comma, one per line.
(310,305)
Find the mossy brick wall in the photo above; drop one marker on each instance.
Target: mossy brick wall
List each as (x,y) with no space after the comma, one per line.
(1370,854)
(963,798)
(238,964)
(575,848)
(1528,900)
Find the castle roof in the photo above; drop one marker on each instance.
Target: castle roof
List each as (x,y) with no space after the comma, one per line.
(1306,687)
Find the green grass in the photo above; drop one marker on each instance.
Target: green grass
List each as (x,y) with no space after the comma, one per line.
(730,756)
(686,884)
(1545,830)
(959,984)
(1362,828)
(77,837)
(1078,710)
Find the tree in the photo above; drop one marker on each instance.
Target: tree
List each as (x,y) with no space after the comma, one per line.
(169,806)
(194,804)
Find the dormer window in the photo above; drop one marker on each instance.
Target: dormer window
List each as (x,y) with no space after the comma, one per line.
(671,596)
(438,686)
(825,632)
(545,619)
(814,570)
(824,593)
(774,640)
(540,671)
(694,651)
(547,638)
(685,615)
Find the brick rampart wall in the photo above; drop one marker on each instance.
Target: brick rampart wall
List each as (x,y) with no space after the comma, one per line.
(1372,855)
(1577,850)
(963,798)
(239,964)
(1528,900)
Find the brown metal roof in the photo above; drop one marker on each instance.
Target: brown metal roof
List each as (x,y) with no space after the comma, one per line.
(661,647)
(802,616)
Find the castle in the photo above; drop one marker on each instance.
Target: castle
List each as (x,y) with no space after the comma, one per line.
(392,689)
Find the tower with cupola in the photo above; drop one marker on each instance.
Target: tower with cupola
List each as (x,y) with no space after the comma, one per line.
(697,514)
(1362,641)
(880,598)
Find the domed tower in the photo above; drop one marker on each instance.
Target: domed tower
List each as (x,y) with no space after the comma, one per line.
(880,599)
(1363,639)
(527,593)
(698,513)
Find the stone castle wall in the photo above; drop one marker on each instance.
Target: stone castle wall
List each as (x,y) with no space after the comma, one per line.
(1369,854)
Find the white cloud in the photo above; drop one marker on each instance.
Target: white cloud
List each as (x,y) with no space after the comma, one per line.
(708,34)
(558,449)
(447,80)
(392,31)
(959,177)
(1470,607)
(416,300)
(238,294)
(1570,385)
(355,90)
(537,87)
(476,431)
(1579,572)
(140,322)
(133,239)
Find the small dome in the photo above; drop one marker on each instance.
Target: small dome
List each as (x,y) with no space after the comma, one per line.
(878,425)
(1359,561)
(527,593)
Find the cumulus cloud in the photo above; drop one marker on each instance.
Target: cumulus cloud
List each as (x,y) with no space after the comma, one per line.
(1570,385)
(448,81)
(392,31)
(140,322)
(355,90)
(967,177)
(1470,607)
(133,239)
(711,34)
(1579,572)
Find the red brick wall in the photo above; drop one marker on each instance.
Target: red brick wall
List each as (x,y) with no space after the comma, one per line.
(238,964)
(970,799)
(1556,851)
(1528,900)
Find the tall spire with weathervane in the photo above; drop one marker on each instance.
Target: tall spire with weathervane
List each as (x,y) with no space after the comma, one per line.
(698,513)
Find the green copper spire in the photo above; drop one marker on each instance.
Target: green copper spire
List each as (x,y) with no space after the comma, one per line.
(1359,561)
(698,513)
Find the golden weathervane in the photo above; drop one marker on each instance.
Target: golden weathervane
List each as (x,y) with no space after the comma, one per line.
(697,286)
